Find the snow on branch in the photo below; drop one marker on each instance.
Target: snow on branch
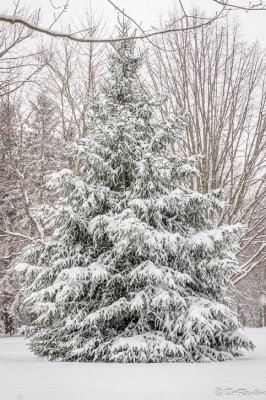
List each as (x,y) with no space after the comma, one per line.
(226,6)
(250,264)
(12,19)
(17,234)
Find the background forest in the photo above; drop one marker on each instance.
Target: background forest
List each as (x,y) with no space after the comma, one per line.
(210,72)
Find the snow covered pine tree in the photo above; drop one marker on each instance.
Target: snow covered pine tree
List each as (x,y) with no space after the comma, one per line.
(134,270)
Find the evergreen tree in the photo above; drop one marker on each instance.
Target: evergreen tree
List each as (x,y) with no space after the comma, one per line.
(134,269)
(10,207)
(44,145)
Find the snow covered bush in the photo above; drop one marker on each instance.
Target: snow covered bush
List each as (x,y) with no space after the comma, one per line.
(135,269)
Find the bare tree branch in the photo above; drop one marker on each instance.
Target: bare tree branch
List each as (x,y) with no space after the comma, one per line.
(12,19)
(252,7)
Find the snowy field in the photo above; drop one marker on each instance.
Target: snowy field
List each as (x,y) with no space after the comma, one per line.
(25,377)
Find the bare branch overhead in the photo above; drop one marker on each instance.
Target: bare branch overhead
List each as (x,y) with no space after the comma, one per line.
(226,6)
(251,7)
(11,19)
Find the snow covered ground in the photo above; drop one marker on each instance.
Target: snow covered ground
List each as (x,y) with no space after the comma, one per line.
(25,377)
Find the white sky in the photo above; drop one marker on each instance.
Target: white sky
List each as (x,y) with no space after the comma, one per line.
(144,11)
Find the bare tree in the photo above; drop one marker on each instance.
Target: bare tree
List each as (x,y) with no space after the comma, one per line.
(73,73)
(220,82)
(17,64)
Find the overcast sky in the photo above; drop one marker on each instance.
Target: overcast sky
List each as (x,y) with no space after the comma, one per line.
(144,11)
